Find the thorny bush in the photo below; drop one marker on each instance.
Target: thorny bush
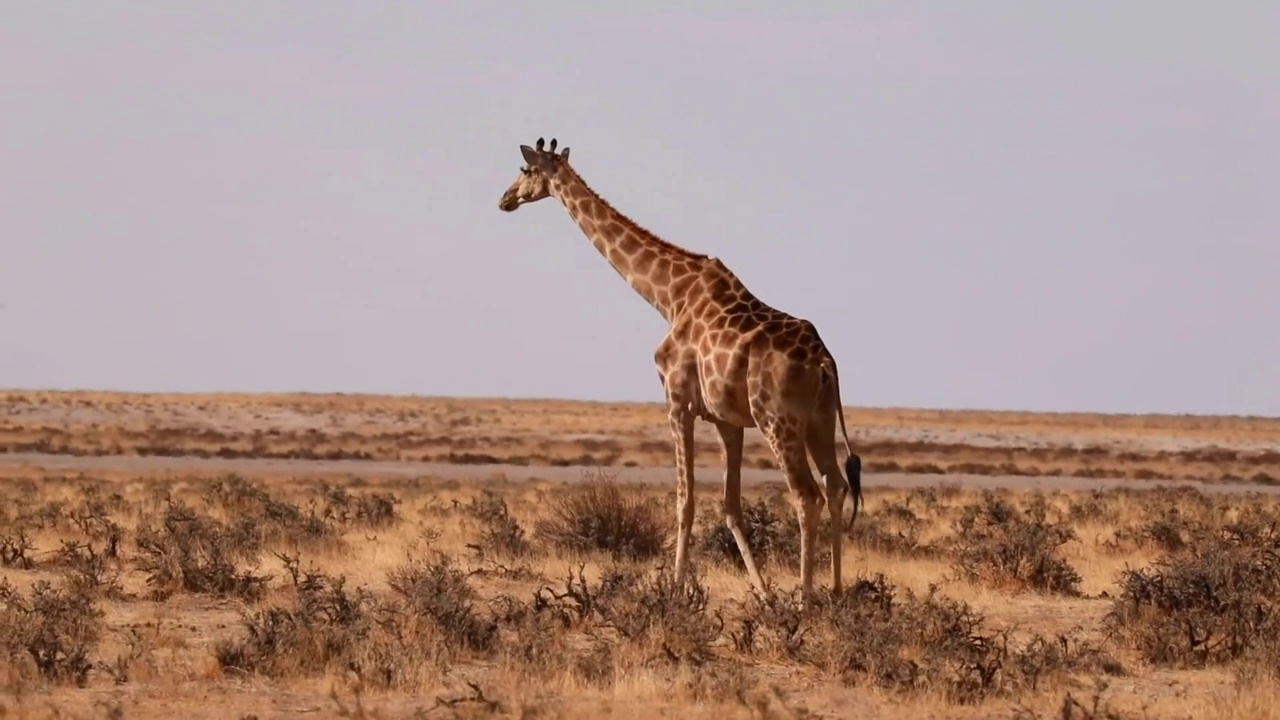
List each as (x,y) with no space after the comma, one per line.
(649,613)
(193,552)
(51,629)
(912,643)
(500,532)
(274,521)
(998,543)
(438,592)
(1210,602)
(771,538)
(427,622)
(892,529)
(327,628)
(371,510)
(600,516)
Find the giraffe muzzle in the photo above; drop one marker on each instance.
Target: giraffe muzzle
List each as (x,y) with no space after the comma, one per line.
(509,202)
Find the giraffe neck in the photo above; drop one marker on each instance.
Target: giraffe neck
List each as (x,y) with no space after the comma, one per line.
(653,267)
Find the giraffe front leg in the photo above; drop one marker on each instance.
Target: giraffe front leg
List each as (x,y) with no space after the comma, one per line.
(731,450)
(681,419)
(678,372)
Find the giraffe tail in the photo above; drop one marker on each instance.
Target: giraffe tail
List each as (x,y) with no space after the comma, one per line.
(852,463)
(853,471)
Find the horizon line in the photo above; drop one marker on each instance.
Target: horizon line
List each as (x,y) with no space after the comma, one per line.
(6,391)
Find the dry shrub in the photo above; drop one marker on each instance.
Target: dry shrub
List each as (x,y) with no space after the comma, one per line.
(16,547)
(1198,506)
(365,510)
(89,516)
(1177,519)
(499,531)
(932,500)
(670,621)
(599,516)
(52,630)
(627,616)
(1098,507)
(20,497)
(327,629)
(913,643)
(274,521)
(92,516)
(770,536)
(90,570)
(428,622)
(772,531)
(536,641)
(1169,531)
(193,552)
(550,636)
(439,593)
(1000,544)
(892,529)
(1168,519)
(1209,602)
(142,658)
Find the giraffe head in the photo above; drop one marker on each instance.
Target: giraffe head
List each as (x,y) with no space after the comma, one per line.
(534,181)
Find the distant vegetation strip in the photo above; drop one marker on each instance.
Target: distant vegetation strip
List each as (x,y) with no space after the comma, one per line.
(880,456)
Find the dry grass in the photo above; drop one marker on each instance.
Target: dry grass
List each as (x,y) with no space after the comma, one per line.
(564,433)
(286,590)
(236,596)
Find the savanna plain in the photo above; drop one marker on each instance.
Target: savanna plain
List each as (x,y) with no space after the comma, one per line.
(263,556)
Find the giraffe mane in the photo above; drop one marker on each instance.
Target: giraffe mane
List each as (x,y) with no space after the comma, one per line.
(630,224)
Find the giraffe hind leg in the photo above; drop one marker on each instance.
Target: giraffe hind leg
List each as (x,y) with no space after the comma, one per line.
(820,440)
(786,437)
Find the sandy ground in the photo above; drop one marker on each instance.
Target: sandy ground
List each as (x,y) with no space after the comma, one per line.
(707,476)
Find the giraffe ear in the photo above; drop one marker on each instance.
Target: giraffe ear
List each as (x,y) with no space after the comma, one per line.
(564,154)
(530,155)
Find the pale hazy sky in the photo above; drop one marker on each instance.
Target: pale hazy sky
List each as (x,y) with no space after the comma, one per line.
(1054,206)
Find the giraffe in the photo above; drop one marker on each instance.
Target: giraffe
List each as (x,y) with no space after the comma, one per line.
(728,359)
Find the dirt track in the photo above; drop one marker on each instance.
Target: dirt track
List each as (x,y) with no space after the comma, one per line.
(705,475)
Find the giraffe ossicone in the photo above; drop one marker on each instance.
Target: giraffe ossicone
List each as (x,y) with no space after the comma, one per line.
(728,359)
